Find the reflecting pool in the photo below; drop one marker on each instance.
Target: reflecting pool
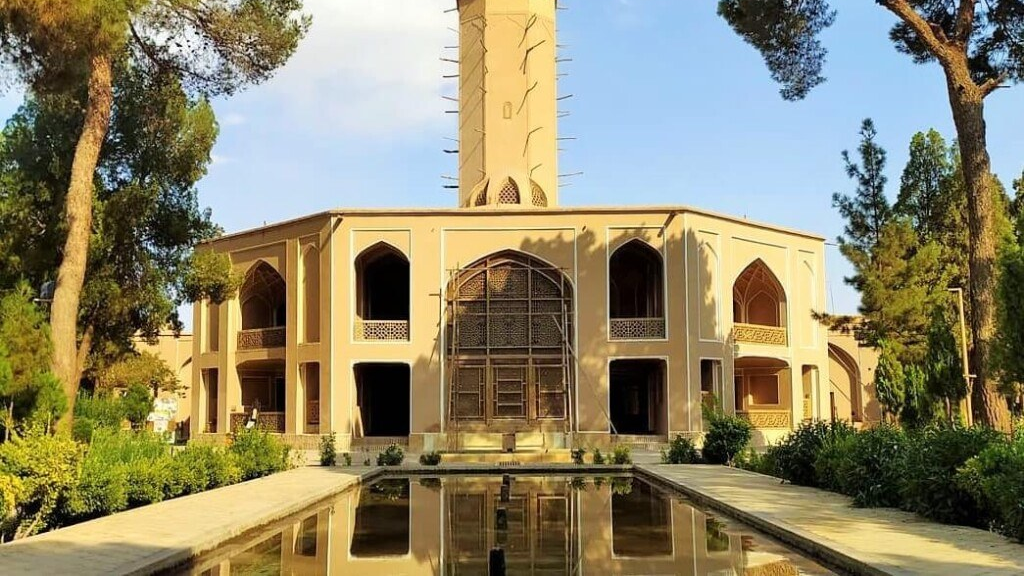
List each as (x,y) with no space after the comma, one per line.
(544,525)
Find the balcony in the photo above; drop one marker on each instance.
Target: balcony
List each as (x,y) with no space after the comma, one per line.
(636,329)
(768,419)
(382,330)
(260,338)
(269,421)
(758,334)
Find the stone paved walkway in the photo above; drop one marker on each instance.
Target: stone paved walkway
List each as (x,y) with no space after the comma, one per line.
(163,535)
(825,525)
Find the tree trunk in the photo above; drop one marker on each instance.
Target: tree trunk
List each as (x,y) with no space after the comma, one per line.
(967,103)
(78,211)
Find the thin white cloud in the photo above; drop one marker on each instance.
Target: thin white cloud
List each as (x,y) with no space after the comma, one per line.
(371,67)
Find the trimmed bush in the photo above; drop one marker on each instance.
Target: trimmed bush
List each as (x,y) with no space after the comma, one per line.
(391,456)
(199,467)
(796,456)
(680,451)
(328,449)
(933,457)
(430,458)
(598,457)
(621,455)
(832,458)
(94,412)
(726,437)
(577,455)
(760,462)
(258,453)
(872,472)
(37,471)
(995,477)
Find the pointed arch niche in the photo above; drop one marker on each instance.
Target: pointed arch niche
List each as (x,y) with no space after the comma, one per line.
(636,292)
(759,307)
(382,294)
(263,299)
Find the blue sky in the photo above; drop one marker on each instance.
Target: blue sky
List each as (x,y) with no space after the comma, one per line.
(670,106)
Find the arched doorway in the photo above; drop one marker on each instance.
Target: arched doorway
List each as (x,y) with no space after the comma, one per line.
(844,386)
(263,298)
(382,294)
(636,292)
(509,337)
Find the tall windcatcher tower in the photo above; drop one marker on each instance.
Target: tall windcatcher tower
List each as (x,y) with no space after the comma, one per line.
(508,103)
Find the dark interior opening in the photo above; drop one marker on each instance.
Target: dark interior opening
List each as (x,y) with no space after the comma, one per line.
(384,285)
(636,283)
(382,393)
(637,397)
(641,522)
(382,520)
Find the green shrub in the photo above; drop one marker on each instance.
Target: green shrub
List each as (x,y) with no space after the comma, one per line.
(39,471)
(258,453)
(831,461)
(430,458)
(726,437)
(199,467)
(598,457)
(347,458)
(121,470)
(995,477)
(577,455)
(760,462)
(872,473)
(795,456)
(933,457)
(391,456)
(94,412)
(328,449)
(621,455)
(138,403)
(680,451)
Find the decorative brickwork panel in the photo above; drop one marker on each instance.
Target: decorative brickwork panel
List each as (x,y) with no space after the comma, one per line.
(382,330)
(637,328)
(269,421)
(768,419)
(757,334)
(261,338)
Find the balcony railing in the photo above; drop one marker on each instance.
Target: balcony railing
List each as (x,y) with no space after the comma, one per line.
(382,330)
(269,421)
(768,419)
(261,338)
(758,334)
(636,329)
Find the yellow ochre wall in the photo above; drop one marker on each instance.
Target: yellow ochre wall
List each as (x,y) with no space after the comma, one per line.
(703,254)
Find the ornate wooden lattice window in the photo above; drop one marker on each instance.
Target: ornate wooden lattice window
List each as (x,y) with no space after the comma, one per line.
(509,331)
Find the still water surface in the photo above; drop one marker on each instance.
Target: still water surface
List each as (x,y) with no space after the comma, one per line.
(545,525)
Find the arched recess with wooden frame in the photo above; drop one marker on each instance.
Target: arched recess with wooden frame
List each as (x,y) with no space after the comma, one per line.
(509,338)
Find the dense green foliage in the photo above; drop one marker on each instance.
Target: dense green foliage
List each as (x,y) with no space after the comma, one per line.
(28,390)
(138,403)
(726,437)
(680,451)
(48,481)
(930,467)
(577,455)
(995,478)
(329,449)
(796,456)
(259,453)
(393,455)
(950,474)
(1010,312)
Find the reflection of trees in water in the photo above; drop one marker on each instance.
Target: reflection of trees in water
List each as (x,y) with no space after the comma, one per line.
(716,538)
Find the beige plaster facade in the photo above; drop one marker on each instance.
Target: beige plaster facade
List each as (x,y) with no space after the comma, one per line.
(511,321)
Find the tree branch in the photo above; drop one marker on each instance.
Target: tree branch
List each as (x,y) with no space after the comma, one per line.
(936,43)
(992,84)
(965,21)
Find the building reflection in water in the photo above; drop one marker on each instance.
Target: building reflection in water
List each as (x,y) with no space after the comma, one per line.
(545,525)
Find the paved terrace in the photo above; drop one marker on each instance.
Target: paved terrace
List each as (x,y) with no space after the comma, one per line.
(825,526)
(166,534)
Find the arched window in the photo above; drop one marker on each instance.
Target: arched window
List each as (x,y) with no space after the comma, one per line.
(311,294)
(636,291)
(382,294)
(263,298)
(509,335)
(758,297)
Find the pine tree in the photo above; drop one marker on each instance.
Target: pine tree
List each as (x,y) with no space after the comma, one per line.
(868,210)
(889,381)
(978,47)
